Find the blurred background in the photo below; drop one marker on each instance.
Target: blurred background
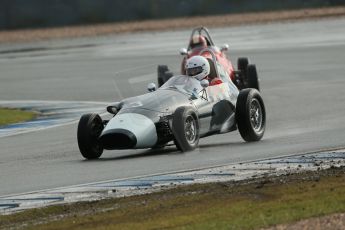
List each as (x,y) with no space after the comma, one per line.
(18,14)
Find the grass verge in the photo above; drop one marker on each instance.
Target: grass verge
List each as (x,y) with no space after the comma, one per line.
(10,116)
(249,204)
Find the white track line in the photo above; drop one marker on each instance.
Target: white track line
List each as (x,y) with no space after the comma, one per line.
(44,104)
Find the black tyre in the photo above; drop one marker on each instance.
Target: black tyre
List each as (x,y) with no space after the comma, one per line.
(252,78)
(89,129)
(185,129)
(242,64)
(163,74)
(162,69)
(250,115)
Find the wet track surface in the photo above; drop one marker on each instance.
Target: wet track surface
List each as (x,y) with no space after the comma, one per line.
(250,172)
(302,71)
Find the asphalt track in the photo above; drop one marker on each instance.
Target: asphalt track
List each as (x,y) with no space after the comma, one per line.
(302,71)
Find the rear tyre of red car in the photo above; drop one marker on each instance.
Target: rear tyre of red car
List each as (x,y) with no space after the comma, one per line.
(163,74)
(242,64)
(90,128)
(185,127)
(250,115)
(252,78)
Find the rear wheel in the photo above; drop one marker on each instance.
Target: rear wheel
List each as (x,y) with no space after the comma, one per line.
(242,64)
(252,77)
(250,115)
(90,128)
(185,129)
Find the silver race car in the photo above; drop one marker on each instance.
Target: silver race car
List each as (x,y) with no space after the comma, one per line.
(181,111)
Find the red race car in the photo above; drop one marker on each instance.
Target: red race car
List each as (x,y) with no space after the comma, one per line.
(244,77)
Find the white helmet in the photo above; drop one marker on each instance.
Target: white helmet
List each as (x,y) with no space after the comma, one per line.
(197,67)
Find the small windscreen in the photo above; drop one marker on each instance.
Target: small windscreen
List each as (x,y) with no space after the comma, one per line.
(184,84)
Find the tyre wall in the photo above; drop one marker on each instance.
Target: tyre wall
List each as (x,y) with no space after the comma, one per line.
(16,14)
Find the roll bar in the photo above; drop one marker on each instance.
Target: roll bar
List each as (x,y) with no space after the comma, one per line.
(200,31)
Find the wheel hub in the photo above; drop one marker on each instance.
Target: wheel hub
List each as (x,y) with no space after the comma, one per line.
(256,118)
(190,129)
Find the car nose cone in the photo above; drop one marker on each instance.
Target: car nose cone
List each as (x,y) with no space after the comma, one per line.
(129,131)
(118,139)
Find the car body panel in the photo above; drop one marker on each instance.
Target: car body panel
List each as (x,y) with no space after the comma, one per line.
(146,121)
(139,125)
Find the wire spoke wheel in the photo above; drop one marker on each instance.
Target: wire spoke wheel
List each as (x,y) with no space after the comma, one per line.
(185,127)
(190,129)
(255,115)
(250,115)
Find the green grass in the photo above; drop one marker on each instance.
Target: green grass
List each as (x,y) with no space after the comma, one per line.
(208,206)
(10,116)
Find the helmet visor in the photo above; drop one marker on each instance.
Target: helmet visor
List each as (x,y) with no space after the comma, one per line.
(194,71)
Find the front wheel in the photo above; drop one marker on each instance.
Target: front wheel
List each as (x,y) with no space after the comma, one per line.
(185,129)
(250,115)
(163,74)
(90,128)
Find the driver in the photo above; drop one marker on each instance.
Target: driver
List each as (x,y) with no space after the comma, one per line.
(198,41)
(199,68)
